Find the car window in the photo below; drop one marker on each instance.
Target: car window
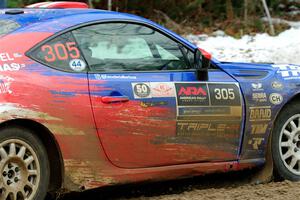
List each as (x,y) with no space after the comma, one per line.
(61,53)
(8,26)
(129,47)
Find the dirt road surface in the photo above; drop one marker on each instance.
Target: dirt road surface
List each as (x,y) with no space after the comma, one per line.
(231,186)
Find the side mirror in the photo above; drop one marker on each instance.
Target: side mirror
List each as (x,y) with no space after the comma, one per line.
(202,63)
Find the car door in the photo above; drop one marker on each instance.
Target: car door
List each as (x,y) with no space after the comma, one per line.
(149,108)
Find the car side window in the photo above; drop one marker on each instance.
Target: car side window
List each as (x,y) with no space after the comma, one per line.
(115,47)
(61,53)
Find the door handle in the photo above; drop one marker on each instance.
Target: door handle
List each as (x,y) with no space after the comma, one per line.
(114,99)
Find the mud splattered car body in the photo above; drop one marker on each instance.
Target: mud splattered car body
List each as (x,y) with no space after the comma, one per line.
(104,127)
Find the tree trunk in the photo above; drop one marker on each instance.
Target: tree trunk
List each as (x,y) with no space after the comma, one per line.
(229,10)
(246,11)
(269,17)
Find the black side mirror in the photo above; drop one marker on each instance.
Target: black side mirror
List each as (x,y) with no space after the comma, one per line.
(202,64)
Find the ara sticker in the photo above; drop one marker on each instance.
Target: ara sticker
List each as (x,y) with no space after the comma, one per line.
(77,65)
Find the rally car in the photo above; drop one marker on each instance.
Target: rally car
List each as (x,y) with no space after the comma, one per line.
(93,98)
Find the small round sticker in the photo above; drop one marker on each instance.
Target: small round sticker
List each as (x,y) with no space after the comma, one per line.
(77,65)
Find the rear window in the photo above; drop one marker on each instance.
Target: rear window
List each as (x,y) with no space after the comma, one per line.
(7,26)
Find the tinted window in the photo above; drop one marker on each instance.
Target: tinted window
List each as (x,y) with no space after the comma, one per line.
(61,53)
(7,26)
(129,47)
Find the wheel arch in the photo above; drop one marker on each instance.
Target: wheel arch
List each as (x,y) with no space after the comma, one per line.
(293,99)
(52,148)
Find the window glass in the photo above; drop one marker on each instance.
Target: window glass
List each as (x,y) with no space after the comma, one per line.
(129,47)
(61,53)
(8,26)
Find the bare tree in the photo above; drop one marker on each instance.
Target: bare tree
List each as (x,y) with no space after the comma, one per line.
(229,10)
(109,4)
(269,17)
(246,11)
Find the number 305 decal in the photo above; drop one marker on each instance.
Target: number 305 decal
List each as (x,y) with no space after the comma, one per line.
(224,94)
(60,51)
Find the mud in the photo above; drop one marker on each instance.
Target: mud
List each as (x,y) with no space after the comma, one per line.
(231,186)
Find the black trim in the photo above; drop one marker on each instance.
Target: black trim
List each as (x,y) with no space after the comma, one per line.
(70,29)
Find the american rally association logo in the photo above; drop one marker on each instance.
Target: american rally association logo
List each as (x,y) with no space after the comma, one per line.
(189,94)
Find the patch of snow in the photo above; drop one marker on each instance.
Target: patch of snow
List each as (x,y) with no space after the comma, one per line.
(282,21)
(284,48)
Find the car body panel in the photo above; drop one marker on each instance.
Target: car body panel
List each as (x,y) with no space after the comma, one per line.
(96,153)
(154,130)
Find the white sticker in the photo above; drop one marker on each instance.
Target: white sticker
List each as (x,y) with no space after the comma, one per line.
(276,98)
(141,90)
(162,89)
(77,65)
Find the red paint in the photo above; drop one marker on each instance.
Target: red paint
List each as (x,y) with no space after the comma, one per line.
(188,91)
(206,54)
(114,99)
(62,4)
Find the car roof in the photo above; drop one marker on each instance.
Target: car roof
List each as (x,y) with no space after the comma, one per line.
(31,16)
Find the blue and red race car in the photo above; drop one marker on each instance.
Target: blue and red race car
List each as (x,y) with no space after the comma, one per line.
(91,98)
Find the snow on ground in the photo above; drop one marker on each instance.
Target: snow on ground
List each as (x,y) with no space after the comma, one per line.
(284,48)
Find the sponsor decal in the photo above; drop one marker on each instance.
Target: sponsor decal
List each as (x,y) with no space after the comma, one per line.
(200,111)
(11,67)
(257,129)
(259,97)
(8,62)
(224,95)
(153,104)
(60,51)
(276,98)
(192,94)
(196,128)
(141,90)
(5,57)
(77,65)
(260,113)
(257,87)
(5,83)
(162,89)
(277,85)
(288,72)
(256,142)
(107,76)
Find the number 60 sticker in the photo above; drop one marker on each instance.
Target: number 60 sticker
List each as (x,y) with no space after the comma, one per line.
(77,65)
